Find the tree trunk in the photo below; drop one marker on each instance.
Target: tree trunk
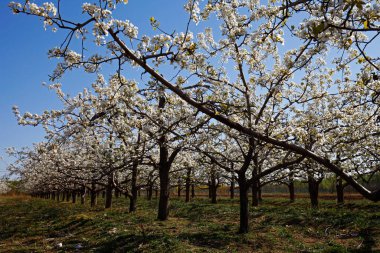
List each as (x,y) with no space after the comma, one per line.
(58,195)
(187,184)
(255,193)
(74,197)
(209,190)
(83,195)
(313,192)
(244,207)
(93,195)
(292,195)
(68,196)
(163,205)
(179,188)
(134,188)
(192,190)
(232,188)
(93,198)
(339,190)
(213,186)
(260,194)
(150,191)
(109,188)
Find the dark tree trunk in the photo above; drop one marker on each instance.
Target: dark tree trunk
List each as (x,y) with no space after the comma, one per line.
(255,193)
(53,196)
(244,207)
(93,198)
(103,194)
(93,195)
(68,196)
(132,204)
(109,188)
(117,193)
(260,194)
(164,168)
(74,196)
(163,171)
(83,195)
(134,189)
(339,190)
(187,184)
(163,205)
(150,191)
(213,186)
(232,188)
(58,195)
(192,190)
(313,191)
(292,195)
(156,192)
(209,189)
(179,188)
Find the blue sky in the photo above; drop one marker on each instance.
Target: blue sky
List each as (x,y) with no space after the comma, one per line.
(24,65)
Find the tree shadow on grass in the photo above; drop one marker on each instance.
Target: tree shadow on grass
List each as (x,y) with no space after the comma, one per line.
(137,243)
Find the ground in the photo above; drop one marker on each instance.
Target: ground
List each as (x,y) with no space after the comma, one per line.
(39,225)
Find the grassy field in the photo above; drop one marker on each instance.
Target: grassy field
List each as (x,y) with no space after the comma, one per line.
(37,225)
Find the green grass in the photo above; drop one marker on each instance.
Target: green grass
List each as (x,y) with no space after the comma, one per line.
(37,225)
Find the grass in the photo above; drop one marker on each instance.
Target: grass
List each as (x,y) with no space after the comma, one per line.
(38,225)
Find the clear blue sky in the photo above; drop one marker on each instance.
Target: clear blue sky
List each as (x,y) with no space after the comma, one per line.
(24,65)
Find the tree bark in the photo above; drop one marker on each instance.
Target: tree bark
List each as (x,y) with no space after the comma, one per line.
(83,195)
(74,197)
(150,191)
(313,191)
(93,198)
(260,194)
(163,205)
(232,188)
(213,186)
(292,195)
(179,188)
(117,193)
(93,195)
(244,207)
(134,188)
(209,189)
(109,188)
(255,193)
(68,195)
(187,184)
(192,190)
